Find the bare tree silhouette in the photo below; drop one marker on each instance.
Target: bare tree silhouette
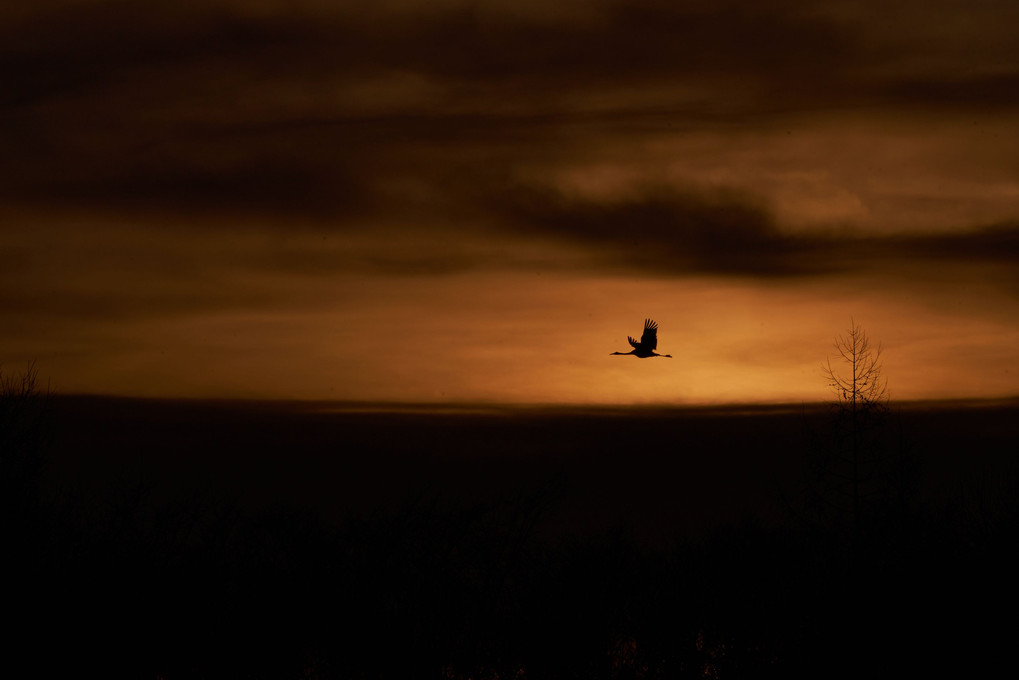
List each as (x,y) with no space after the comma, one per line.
(854,471)
(861,395)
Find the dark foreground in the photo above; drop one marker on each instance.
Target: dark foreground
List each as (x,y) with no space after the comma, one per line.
(170,539)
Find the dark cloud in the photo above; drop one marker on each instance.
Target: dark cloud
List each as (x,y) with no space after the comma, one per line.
(73,49)
(311,111)
(725,233)
(257,187)
(666,231)
(996,243)
(790,46)
(624,41)
(993,91)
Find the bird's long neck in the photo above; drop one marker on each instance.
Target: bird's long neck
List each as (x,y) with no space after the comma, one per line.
(623,354)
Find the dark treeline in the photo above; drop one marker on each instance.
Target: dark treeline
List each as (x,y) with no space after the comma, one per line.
(133,548)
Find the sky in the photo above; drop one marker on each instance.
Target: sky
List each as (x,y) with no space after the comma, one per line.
(463,201)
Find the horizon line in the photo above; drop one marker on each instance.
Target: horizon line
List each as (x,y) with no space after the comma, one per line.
(493,407)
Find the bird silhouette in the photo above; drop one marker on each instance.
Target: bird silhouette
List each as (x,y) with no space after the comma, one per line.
(648,342)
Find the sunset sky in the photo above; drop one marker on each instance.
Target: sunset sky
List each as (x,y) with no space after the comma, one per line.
(401,200)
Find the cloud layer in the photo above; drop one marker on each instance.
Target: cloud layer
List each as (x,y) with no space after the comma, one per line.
(460,118)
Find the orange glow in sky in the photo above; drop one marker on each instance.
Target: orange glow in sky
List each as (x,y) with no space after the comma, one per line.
(445,203)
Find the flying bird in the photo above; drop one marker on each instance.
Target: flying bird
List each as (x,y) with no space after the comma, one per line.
(648,342)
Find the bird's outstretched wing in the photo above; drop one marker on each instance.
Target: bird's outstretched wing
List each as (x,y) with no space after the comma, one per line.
(633,343)
(650,337)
